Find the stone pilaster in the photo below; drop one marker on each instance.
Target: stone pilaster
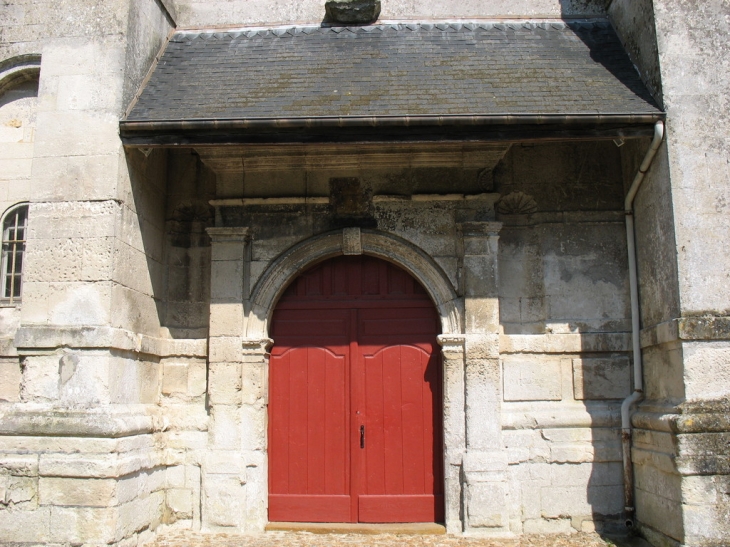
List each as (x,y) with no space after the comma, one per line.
(452,350)
(484,464)
(237,408)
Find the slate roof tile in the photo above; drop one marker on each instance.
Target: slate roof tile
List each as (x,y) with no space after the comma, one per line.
(394,70)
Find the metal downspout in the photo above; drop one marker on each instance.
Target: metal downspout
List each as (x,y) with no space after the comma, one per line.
(638,393)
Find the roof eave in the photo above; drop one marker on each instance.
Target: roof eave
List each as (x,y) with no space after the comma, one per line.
(386,128)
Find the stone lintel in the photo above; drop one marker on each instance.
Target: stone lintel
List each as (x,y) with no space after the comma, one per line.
(267,158)
(480,229)
(273,202)
(229,235)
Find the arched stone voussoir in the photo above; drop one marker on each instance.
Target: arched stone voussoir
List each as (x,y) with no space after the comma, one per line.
(17,70)
(389,247)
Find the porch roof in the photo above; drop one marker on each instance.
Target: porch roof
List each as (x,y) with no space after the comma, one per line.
(405,81)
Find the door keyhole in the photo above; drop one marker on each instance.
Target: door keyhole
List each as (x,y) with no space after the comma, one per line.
(362,436)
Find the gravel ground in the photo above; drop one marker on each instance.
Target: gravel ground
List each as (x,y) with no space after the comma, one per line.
(306,539)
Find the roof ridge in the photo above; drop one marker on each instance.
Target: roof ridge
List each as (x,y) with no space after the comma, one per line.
(461,25)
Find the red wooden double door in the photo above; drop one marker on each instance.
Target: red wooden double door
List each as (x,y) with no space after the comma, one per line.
(355,398)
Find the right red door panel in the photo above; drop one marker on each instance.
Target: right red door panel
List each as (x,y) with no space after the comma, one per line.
(355,398)
(402,475)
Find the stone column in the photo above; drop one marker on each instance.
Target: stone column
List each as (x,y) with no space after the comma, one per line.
(484,463)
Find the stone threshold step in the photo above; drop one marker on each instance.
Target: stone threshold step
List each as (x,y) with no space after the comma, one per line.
(415,529)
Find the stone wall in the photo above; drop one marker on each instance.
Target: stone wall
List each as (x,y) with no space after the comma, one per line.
(79,461)
(130,394)
(681,214)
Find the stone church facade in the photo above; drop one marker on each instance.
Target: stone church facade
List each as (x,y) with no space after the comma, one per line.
(553,176)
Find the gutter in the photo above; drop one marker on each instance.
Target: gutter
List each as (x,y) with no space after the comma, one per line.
(638,393)
(128,127)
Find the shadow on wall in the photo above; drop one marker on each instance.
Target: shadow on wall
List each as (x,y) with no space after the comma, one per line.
(170,211)
(564,287)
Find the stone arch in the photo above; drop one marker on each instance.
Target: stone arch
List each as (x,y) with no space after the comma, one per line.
(388,247)
(18,70)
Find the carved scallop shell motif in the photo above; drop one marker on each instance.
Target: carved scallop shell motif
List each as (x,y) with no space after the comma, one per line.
(516,203)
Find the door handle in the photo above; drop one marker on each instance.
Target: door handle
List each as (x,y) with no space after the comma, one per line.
(362,436)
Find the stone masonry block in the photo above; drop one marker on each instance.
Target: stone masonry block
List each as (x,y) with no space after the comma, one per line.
(228,251)
(76,133)
(592,474)
(224,462)
(482,346)
(197,378)
(226,319)
(528,378)
(225,349)
(254,378)
(605,378)
(17,526)
(481,315)
(140,485)
(21,490)
(175,476)
(548,526)
(83,524)
(707,369)
(77,492)
(225,430)
(174,378)
(572,453)
(253,435)
(68,178)
(224,499)
(40,378)
(225,383)
(566,501)
(140,513)
(227,281)
(19,465)
(659,513)
(10,378)
(180,502)
(487,505)
(700,490)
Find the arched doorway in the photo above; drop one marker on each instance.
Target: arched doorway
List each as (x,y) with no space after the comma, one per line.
(355,407)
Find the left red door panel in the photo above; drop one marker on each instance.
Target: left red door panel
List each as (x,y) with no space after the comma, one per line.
(309,475)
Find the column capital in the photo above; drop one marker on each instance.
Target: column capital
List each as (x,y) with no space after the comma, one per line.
(254,346)
(452,343)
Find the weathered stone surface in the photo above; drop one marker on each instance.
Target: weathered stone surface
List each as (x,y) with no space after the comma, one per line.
(111,401)
(58,491)
(527,378)
(10,379)
(601,378)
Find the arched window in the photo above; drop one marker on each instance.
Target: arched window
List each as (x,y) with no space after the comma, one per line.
(15,225)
